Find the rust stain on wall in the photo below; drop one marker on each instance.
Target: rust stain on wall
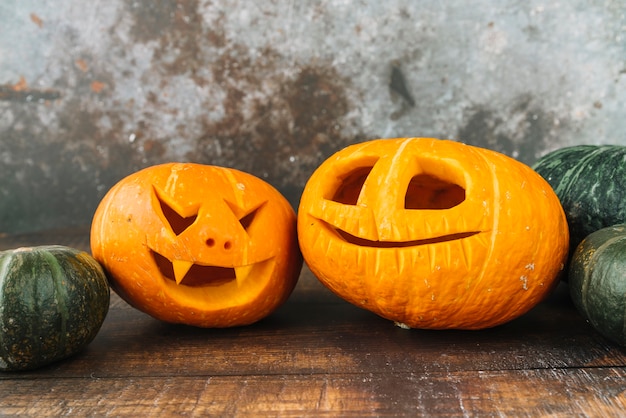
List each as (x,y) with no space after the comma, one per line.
(280,134)
(177,26)
(273,88)
(278,121)
(153,18)
(36,20)
(21,92)
(522,132)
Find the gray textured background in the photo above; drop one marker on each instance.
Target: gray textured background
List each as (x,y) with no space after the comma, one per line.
(92,91)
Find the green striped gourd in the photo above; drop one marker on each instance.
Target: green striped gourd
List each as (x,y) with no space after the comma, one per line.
(53,301)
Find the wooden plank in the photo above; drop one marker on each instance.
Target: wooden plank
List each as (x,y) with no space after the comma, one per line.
(329,335)
(545,392)
(318,355)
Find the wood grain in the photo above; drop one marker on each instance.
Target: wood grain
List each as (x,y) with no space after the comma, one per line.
(319,356)
(544,392)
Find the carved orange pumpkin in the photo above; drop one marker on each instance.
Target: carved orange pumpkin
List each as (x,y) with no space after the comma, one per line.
(196,244)
(432,233)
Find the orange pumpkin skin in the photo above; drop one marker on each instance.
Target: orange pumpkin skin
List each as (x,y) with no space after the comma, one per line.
(432,233)
(195,244)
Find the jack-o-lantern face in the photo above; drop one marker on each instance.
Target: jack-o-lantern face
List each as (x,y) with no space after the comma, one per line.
(432,233)
(202,245)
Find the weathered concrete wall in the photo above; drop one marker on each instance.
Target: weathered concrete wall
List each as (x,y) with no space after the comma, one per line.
(92,91)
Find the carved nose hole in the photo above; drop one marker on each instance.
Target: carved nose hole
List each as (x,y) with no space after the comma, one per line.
(210,242)
(429,192)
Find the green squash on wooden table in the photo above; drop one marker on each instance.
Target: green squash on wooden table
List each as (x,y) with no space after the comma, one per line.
(53,301)
(590,181)
(597,281)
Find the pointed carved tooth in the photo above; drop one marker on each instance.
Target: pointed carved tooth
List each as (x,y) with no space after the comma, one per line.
(461,223)
(181,267)
(432,258)
(242,273)
(377,263)
(428,230)
(400,260)
(466,251)
(445,225)
(448,252)
(484,240)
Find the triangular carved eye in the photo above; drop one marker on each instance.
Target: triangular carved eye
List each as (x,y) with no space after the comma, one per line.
(245,218)
(246,221)
(178,222)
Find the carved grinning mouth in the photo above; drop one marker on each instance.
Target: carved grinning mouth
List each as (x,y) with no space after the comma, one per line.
(363,242)
(193,275)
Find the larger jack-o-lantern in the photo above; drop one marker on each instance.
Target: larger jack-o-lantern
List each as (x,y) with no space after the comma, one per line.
(196,244)
(432,233)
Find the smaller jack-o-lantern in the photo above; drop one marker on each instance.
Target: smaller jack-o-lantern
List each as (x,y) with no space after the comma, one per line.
(432,233)
(201,245)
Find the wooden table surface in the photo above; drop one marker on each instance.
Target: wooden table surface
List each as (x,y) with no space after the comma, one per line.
(320,356)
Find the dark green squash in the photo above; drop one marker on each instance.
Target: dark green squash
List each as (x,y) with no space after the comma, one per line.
(53,301)
(597,281)
(590,181)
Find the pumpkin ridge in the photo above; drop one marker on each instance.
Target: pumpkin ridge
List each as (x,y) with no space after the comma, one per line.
(584,284)
(57,278)
(30,296)
(495,184)
(239,190)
